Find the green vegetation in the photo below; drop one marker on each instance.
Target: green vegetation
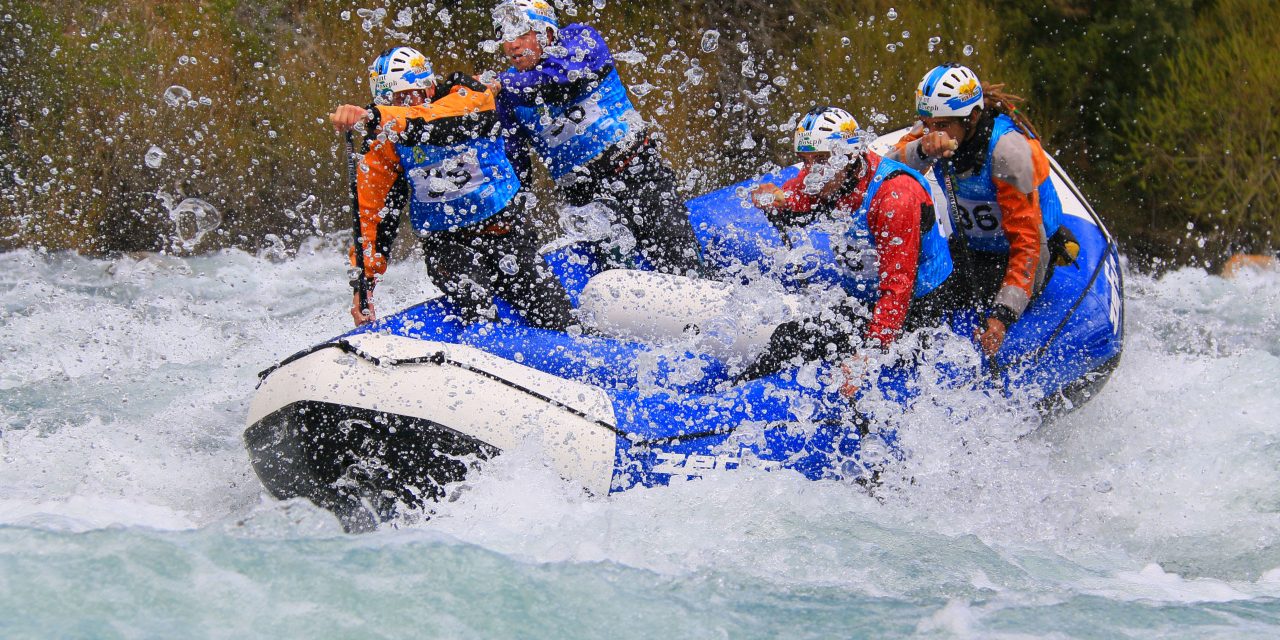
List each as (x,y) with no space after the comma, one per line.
(1165,111)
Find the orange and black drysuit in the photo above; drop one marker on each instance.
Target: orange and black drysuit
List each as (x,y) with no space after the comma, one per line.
(445,161)
(1004,204)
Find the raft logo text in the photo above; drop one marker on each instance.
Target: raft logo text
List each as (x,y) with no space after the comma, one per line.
(696,465)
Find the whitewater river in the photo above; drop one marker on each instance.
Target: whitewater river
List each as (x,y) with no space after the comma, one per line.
(128,507)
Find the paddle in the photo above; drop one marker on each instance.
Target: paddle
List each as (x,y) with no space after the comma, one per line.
(360,283)
(960,252)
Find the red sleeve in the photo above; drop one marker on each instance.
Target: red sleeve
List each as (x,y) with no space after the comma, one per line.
(797,200)
(894,222)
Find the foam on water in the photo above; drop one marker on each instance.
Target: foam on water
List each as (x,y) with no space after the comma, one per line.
(126,494)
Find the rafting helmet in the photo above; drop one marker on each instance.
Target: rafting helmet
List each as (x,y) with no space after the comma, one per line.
(828,129)
(514,18)
(948,91)
(399,69)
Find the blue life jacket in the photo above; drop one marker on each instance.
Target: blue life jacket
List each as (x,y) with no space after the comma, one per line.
(458,185)
(858,273)
(568,136)
(981,219)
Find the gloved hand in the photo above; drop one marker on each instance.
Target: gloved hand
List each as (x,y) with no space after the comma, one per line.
(345,117)
(855,373)
(361,316)
(991,338)
(938,144)
(768,196)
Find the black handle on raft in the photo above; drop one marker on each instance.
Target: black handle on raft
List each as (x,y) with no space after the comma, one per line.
(359,282)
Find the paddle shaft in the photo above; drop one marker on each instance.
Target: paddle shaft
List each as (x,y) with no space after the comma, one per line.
(360,282)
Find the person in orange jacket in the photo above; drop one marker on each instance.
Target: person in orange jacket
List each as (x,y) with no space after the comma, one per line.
(988,159)
(436,148)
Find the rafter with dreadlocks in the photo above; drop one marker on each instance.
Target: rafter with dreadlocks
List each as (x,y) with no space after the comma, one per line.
(987,156)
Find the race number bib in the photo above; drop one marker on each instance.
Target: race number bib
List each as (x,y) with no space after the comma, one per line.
(979,218)
(447,180)
(577,120)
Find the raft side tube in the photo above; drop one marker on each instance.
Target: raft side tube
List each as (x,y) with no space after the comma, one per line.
(457,401)
(659,308)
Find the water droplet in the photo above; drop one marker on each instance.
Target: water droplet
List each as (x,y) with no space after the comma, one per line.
(844,42)
(710,40)
(630,57)
(177,95)
(906,34)
(508,265)
(968,50)
(891,47)
(155,157)
(694,75)
(206,101)
(598,4)
(404,18)
(933,42)
(46,159)
(193,218)
(892,14)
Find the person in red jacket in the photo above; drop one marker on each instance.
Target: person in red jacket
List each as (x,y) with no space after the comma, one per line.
(892,257)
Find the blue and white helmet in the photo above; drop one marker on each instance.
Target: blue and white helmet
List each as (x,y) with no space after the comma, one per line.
(828,129)
(399,69)
(514,18)
(949,90)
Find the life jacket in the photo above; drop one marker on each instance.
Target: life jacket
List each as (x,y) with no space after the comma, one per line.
(980,217)
(573,134)
(458,184)
(858,273)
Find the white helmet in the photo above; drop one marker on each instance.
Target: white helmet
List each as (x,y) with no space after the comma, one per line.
(828,129)
(399,69)
(950,90)
(514,18)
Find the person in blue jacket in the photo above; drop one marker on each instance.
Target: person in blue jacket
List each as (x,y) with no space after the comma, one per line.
(562,98)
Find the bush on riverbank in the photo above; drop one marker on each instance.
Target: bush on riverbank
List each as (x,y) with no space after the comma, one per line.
(1140,100)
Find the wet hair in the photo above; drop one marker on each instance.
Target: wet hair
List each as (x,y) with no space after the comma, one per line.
(998,100)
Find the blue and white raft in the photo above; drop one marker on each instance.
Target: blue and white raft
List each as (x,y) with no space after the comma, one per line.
(390,416)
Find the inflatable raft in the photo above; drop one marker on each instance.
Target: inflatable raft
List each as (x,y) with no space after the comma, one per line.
(390,416)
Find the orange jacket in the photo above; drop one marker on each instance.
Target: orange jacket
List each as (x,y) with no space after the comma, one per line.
(380,186)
